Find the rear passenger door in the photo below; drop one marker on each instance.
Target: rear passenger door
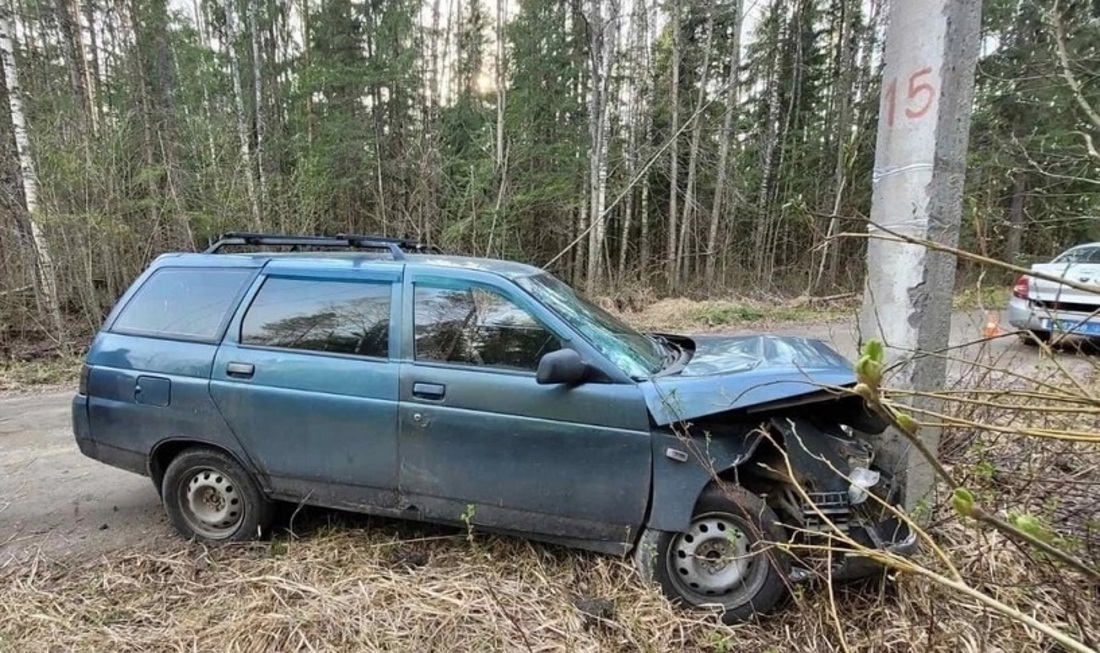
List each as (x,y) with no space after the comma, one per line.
(305,380)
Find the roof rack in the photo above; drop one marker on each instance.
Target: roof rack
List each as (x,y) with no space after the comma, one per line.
(397,247)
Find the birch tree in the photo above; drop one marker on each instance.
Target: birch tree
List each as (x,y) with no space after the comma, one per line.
(602,43)
(673,265)
(258,109)
(43,261)
(725,142)
(231,36)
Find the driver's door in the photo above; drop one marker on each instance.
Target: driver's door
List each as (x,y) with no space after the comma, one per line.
(481,440)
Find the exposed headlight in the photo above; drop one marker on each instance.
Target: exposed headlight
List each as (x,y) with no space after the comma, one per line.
(862,480)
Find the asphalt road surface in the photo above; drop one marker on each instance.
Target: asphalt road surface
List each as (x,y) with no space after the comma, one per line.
(56,502)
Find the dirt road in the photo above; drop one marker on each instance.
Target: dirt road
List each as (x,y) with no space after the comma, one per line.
(54,500)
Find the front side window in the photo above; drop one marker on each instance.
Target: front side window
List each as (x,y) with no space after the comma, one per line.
(341,317)
(189,303)
(474,326)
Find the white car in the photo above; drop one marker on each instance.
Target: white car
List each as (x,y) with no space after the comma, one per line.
(1041,307)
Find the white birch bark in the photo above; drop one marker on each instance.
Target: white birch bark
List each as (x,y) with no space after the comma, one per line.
(242,126)
(602,48)
(726,138)
(258,108)
(43,262)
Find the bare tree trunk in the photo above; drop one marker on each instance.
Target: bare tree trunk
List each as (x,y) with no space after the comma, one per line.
(842,103)
(93,72)
(638,82)
(501,161)
(306,49)
(771,138)
(43,262)
(732,99)
(500,79)
(674,153)
(1016,218)
(602,46)
(73,53)
(650,101)
(259,108)
(693,156)
(242,125)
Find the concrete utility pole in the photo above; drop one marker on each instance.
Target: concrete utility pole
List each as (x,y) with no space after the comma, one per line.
(920,166)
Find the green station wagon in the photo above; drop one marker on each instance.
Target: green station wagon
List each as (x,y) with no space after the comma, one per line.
(380,376)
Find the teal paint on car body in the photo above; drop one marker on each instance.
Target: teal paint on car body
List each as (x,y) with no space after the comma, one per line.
(447,389)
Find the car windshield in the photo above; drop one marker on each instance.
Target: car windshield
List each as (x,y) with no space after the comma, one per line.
(636,354)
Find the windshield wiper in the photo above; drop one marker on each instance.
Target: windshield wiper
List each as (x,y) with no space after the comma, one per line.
(671,351)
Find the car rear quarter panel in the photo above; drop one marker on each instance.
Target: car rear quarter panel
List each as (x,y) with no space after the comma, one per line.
(176,374)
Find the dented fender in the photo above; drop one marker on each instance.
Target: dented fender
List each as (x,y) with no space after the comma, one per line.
(682,467)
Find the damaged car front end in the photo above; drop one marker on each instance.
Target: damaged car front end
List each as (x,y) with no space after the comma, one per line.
(776,416)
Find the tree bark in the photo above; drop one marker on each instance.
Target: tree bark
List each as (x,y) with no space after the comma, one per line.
(602,45)
(674,153)
(771,138)
(732,99)
(92,72)
(259,109)
(73,52)
(639,82)
(693,156)
(842,104)
(242,124)
(43,261)
(1016,219)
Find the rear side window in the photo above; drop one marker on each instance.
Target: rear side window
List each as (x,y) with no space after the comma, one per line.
(342,317)
(187,303)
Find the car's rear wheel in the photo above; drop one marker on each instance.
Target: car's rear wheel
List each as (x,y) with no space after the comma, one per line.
(208,496)
(725,560)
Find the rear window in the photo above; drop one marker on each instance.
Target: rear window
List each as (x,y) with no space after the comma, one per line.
(340,317)
(1080,255)
(186,303)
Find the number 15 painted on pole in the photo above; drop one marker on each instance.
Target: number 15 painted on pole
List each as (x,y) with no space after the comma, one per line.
(918,100)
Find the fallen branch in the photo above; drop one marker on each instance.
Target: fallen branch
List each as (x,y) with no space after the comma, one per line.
(15,291)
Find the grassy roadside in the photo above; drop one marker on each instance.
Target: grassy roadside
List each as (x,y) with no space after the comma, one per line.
(39,374)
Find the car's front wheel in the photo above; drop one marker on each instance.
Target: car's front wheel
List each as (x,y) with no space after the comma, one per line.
(725,560)
(209,496)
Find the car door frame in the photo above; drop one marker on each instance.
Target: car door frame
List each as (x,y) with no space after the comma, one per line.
(604,373)
(314,490)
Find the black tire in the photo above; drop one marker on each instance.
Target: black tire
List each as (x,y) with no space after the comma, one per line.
(1034,338)
(209,497)
(662,557)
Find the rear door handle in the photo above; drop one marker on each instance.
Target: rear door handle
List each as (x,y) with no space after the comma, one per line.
(432,391)
(240,370)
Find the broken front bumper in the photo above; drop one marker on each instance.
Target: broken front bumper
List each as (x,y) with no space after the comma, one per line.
(891,536)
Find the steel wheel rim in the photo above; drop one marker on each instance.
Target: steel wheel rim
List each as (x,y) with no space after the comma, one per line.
(211,503)
(712,562)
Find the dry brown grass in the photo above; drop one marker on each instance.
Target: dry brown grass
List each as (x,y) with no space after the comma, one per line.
(683,314)
(46,373)
(397,588)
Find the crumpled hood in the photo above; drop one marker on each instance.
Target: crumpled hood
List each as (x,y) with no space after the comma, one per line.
(731,372)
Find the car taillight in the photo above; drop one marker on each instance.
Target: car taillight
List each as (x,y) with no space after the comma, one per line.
(1020,289)
(84,372)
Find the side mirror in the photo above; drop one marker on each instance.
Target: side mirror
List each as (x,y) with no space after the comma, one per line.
(561,366)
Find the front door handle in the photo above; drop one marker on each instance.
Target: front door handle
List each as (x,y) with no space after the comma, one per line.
(240,370)
(433,391)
